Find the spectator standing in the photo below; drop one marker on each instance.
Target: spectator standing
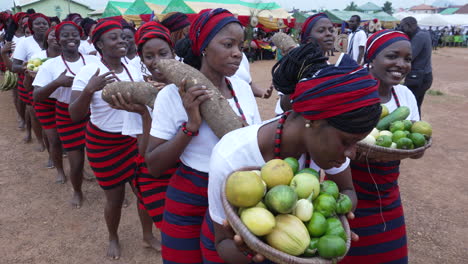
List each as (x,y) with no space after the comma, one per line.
(356,40)
(419,80)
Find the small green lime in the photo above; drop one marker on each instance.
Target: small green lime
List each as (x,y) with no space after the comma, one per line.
(397,125)
(318,225)
(310,171)
(405,143)
(384,141)
(293,163)
(418,139)
(397,135)
(408,125)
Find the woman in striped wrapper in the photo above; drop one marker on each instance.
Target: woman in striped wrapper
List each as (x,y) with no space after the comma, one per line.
(379,218)
(178,131)
(111,155)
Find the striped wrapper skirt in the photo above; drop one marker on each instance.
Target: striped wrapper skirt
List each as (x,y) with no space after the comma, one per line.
(45,113)
(207,243)
(22,92)
(185,207)
(71,134)
(382,237)
(151,191)
(111,156)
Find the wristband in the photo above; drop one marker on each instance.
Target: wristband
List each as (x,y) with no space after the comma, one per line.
(187,132)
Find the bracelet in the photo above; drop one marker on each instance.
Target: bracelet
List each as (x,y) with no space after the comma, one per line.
(248,255)
(187,132)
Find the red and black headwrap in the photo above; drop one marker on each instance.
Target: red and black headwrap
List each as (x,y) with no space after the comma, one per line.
(104,26)
(143,29)
(380,40)
(64,23)
(18,17)
(35,16)
(4,16)
(175,21)
(46,36)
(206,25)
(309,24)
(156,31)
(337,90)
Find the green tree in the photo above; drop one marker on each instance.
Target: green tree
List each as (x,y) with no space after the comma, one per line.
(351,7)
(387,8)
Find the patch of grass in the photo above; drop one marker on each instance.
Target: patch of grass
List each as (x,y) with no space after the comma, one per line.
(435,92)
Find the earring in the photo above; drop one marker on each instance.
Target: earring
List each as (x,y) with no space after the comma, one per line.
(203,53)
(307,125)
(371,66)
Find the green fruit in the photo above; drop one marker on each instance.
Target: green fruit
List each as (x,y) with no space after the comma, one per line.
(418,139)
(325,204)
(329,187)
(311,250)
(422,127)
(397,135)
(408,124)
(293,163)
(397,125)
(317,226)
(407,133)
(343,204)
(304,184)
(401,113)
(258,220)
(310,171)
(405,143)
(384,141)
(281,199)
(276,172)
(244,189)
(384,111)
(289,235)
(335,228)
(331,246)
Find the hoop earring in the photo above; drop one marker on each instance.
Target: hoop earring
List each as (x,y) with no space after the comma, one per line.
(371,66)
(307,125)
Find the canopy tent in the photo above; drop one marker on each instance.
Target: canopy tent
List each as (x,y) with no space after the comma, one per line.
(270,15)
(386,20)
(449,11)
(115,8)
(137,12)
(369,7)
(437,20)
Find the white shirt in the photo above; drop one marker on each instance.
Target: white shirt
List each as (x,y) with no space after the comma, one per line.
(133,123)
(26,48)
(244,70)
(51,70)
(359,39)
(238,149)
(85,47)
(102,115)
(406,98)
(169,114)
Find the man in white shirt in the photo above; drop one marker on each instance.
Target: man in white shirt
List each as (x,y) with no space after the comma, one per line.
(356,39)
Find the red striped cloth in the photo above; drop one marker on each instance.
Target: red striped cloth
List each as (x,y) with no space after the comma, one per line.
(72,134)
(45,112)
(22,92)
(111,156)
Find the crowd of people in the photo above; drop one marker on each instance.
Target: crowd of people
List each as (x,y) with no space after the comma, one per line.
(171,158)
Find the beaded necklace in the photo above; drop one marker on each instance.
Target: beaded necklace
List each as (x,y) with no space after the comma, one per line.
(397,101)
(115,75)
(66,64)
(235,99)
(278,133)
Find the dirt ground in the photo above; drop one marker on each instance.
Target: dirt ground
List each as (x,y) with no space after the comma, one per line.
(37,225)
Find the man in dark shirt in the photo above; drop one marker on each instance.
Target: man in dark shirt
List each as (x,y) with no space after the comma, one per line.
(419,80)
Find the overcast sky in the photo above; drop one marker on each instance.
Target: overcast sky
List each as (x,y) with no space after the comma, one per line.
(288,4)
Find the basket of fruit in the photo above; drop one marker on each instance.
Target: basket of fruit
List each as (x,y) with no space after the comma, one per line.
(288,216)
(395,138)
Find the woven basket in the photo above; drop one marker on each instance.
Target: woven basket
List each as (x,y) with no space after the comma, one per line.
(375,152)
(261,247)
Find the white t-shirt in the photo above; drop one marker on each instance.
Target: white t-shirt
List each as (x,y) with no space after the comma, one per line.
(51,70)
(102,115)
(278,109)
(359,39)
(169,115)
(238,149)
(133,124)
(86,48)
(406,98)
(26,48)
(244,70)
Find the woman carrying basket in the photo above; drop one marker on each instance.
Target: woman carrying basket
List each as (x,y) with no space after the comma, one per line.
(379,218)
(179,132)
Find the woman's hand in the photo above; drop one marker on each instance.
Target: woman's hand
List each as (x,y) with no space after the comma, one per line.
(63,80)
(98,82)
(157,85)
(125,102)
(241,246)
(354,236)
(8,48)
(192,97)
(31,74)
